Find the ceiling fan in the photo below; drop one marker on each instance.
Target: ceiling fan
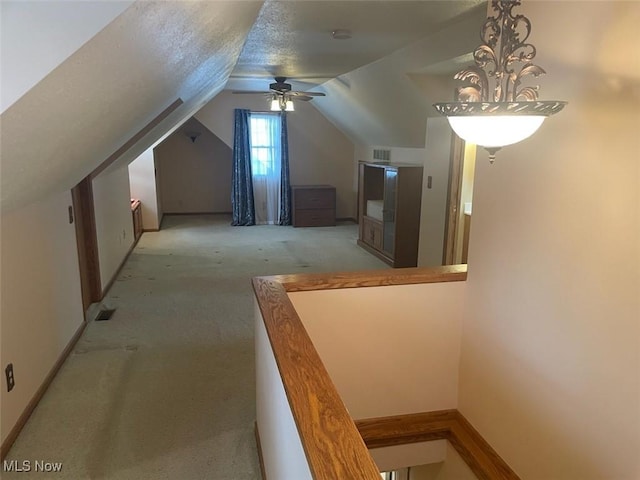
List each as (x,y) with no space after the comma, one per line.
(282,95)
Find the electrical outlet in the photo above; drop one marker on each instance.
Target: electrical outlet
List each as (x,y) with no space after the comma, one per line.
(10,380)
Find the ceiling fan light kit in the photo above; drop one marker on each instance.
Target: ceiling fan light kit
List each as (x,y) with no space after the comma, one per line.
(512,113)
(282,96)
(281,103)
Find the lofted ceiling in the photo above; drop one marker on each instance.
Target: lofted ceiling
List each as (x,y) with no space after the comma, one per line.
(293,38)
(96,85)
(102,96)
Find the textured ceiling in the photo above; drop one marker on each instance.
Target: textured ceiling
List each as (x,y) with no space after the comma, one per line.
(293,38)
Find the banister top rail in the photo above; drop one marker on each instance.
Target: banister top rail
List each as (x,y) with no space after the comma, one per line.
(332,443)
(371,278)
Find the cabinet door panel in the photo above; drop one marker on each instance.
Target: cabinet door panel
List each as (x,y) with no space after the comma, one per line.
(389,210)
(372,232)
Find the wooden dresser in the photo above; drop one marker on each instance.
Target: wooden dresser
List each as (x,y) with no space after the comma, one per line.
(313,205)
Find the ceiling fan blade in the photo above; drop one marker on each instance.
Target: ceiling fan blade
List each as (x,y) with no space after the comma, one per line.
(304,98)
(308,94)
(251,92)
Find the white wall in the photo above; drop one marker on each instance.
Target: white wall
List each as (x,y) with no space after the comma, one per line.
(114,223)
(41,298)
(550,367)
(434,200)
(319,153)
(195,176)
(142,181)
(453,468)
(282,451)
(37,36)
(389,351)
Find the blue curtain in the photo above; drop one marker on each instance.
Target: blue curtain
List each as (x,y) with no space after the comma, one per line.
(285,181)
(241,183)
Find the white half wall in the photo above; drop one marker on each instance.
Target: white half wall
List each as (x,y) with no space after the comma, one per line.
(282,451)
(41,299)
(114,223)
(142,182)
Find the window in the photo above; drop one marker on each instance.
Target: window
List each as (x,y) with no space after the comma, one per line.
(264,132)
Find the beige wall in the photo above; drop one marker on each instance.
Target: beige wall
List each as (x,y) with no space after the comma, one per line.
(142,181)
(550,370)
(434,200)
(453,468)
(114,223)
(389,351)
(195,177)
(318,152)
(41,299)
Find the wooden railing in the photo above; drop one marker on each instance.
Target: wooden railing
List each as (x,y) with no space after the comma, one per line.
(449,425)
(335,446)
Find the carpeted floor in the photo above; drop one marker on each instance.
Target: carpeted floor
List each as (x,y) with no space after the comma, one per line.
(165,389)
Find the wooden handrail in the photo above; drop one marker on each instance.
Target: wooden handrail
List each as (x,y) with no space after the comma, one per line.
(331,441)
(403,429)
(449,425)
(372,278)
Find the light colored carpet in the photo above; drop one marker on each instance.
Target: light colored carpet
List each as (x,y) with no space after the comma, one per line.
(166,388)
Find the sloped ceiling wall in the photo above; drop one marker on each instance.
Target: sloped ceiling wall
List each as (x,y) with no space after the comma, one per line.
(151,55)
(382,103)
(36,37)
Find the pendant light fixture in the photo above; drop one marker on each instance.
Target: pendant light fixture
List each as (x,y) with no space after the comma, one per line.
(492,109)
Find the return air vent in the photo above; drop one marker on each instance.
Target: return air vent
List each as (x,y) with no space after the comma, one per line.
(381,155)
(105,315)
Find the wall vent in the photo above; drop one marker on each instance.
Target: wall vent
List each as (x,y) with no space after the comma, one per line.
(381,155)
(104,315)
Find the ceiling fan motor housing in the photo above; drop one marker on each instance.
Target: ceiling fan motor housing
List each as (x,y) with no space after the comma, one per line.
(280,85)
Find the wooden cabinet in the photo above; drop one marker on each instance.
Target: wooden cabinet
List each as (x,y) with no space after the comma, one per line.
(313,205)
(372,232)
(389,199)
(136,213)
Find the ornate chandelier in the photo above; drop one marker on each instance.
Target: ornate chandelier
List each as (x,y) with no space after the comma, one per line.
(492,109)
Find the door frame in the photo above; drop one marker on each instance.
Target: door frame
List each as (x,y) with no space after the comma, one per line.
(87,242)
(452,224)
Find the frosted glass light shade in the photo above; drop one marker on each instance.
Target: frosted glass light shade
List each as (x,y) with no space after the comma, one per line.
(495,130)
(289,106)
(275,105)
